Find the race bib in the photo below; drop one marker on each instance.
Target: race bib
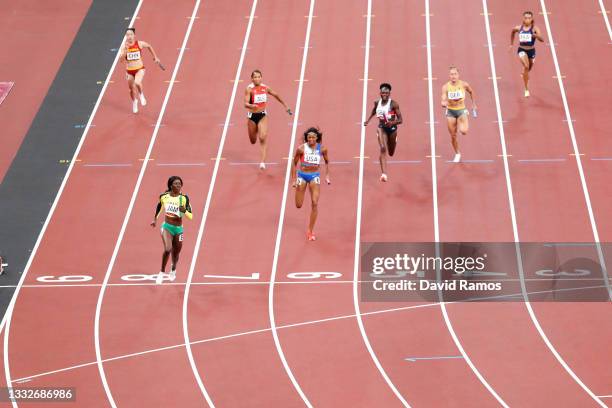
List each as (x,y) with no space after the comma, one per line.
(455,95)
(172,209)
(524,37)
(133,56)
(260,98)
(312,158)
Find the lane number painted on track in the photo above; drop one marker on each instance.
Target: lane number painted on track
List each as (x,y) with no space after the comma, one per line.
(314,275)
(64,279)
(550,272)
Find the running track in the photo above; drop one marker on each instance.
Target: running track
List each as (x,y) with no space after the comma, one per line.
(510,354)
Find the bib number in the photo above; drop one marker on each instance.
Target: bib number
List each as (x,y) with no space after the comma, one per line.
(455,95)
(524,37)
(133,56)
(312,158)
(260,98)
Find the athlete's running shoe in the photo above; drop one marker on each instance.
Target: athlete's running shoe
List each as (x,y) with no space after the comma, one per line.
(160,278)
(135,106)
(383,177)
(311,236)
(526,93)
(457,158)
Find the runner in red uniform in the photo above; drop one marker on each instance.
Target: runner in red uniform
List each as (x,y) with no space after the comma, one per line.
(255,101)
(132,53)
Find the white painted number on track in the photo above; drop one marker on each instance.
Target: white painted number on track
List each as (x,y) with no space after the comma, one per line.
(314,275)
(254,276)
(576,272)
(64,279)
(139,277)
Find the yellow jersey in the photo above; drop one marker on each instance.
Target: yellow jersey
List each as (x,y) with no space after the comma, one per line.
(171,205)
(455,95)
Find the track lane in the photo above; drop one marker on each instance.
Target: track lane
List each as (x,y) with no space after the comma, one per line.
(335,349)
(24,25)
(121,141)
(407,214)
(240,221)
(198,132)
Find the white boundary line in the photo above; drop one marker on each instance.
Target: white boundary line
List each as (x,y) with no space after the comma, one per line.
(502,136)
(281,217)
(130,208)
(285,326)
(358,314)
(434,179)
(605,17)
(228,115)
(570,125)
(6,319)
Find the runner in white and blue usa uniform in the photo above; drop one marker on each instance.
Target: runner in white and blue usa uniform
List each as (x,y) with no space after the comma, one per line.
(528,33)
(308,156)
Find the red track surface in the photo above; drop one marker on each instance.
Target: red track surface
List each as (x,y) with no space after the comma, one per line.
(329,360)
(49,46)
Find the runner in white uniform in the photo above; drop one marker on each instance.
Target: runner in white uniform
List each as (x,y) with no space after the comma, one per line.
(389,116)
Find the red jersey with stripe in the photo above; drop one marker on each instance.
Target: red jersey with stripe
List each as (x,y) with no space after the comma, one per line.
(259,96)
(134,57)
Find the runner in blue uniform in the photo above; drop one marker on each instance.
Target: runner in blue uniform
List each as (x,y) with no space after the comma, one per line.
(528,33)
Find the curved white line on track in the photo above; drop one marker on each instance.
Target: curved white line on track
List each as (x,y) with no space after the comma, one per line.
(133,199)
(434,179)
(500,122)
(364,112)
(207,204)
(281,217)
(6,320)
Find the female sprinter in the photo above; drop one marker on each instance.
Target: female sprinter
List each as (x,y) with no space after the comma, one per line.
(389,116)
(308,174)
(528,34)
(453,99)
(175,205)
(255,100)
(135,67)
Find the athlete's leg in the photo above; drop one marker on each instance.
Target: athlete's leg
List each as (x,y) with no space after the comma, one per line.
(392,143)
(133,90)
(531,62)
(314,212)
(167,241)
(526,67)
(138,80)
(463,124)
(452,130)
(252,128)
(382,142)
(177,245)
(262,133)
(300,191)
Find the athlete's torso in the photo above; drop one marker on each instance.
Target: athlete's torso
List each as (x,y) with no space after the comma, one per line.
(171,204)
(311,158)
(259,96)
(133,56)
(385,112)
(526,37)
(456,95)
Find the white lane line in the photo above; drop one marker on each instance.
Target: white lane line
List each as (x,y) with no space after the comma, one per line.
(281,217)
(130,208)
(286,326)
(604,14)
(6,319)
(570,125)
(502,136)
(434,178)
(207,204)
(358,314)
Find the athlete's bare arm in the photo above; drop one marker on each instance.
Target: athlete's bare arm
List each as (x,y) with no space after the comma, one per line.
(278,98)
(398,114)
(444,97)
(326,158)
(515,30)
(247,100)
(469,90)
(371,114)
(537,34)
